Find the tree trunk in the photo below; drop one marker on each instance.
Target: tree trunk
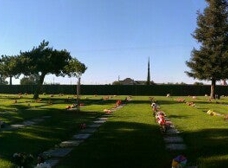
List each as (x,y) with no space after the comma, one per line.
(78,94)
(213,84)
(10,80)
(39,85)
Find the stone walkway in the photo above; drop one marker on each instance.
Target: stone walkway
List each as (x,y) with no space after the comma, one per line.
(65,147)
(174,141)
(172,138)
(23,124)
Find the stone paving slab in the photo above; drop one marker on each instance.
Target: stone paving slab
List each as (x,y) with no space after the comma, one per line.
(176,146)
(52,162)
(99,121)
(88,130)
(94,125)
(172,131)
(173,139)
(17,125)
(59,152)
(38,120)
(28,123)
(81,136)
(103,118)
(107,115)
(71,143)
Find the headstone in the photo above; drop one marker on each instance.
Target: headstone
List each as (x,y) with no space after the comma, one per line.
(59,152)
(28,123)
(70,143)
(52,162)
(88,130)
(94,125)
(103,118)
(175,146)
(17,125)
(172,139)
(38,120)
(81,136)
(99,121)
(172,131)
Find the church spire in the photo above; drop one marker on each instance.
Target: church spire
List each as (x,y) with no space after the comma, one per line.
(148,73)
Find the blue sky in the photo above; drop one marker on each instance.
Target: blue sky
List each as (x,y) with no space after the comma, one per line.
(114,38)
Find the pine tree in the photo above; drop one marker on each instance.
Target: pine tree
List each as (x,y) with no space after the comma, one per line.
(210,61)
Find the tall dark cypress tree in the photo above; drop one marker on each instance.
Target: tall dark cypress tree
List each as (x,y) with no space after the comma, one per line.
(148,73)
(210,61)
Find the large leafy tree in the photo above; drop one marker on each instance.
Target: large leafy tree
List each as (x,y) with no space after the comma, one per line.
(43,60)
(210,61)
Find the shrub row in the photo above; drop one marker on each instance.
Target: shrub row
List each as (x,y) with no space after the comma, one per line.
(160,90)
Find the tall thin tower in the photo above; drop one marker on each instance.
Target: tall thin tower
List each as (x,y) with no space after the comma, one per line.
(148,73)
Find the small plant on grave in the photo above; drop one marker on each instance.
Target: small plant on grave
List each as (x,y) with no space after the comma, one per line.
(22,159)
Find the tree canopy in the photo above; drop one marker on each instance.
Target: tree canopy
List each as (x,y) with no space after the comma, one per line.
(210,61)
(39,62)
(9,67)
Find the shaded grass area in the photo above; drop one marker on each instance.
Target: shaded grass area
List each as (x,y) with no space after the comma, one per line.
(45,135)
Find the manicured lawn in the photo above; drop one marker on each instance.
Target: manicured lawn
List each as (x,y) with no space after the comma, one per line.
(130,137)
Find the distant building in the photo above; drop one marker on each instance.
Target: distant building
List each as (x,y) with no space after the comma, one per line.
(129,81)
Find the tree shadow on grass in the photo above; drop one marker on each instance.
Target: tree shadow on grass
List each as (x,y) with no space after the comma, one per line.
(209,145)
(122,144)
(43,135)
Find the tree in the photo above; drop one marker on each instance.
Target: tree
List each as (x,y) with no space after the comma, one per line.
(75,69)
(43,60)
(30,80)
(210,61)
(9,67)
(3,80)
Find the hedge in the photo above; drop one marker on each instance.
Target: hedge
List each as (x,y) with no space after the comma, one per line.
(175,90)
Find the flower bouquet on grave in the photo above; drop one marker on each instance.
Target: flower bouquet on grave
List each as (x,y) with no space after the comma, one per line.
(22,159)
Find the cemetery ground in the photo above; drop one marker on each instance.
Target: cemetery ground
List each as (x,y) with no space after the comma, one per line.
(130,137)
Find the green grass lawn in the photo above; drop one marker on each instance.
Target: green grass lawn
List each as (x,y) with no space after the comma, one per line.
(130,137)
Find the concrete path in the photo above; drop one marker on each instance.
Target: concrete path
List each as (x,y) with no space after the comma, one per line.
(65,147)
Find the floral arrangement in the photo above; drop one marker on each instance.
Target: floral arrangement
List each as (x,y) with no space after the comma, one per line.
(107,111)
(22,159)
